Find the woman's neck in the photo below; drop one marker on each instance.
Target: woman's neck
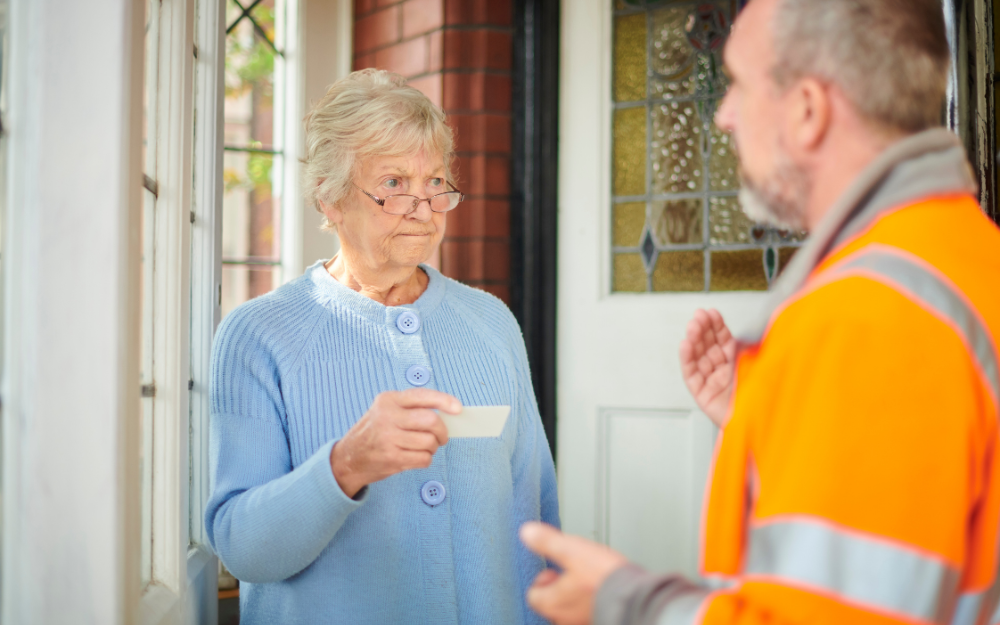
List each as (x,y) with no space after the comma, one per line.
(403,285)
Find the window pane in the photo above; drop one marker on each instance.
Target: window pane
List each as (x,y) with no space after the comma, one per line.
(629,220)
(630,58)
(676,148)
(728,223)
(679,271)
(630,151)
(738,271)
(252,203)
(250,79)
(241,283)
(629,273)
(251,217)
(677,222)
(693,219)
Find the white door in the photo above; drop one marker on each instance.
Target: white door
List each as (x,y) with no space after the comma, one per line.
(649,231)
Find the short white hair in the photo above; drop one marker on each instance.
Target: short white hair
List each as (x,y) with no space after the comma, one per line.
(367,113)
(890,57)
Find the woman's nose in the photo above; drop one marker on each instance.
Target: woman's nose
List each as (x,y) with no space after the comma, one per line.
(422,211)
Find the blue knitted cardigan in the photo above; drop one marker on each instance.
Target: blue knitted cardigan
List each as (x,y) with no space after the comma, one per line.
(292,371)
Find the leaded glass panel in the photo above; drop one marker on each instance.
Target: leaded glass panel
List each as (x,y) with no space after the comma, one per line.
(677,223)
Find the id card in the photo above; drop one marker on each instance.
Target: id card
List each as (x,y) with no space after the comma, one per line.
(476,421)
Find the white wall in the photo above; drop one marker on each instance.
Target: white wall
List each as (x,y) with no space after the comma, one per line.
(70,492)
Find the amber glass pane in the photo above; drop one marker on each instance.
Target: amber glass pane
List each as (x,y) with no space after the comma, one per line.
(723,166)
(679,271)
(630,275)
(629,220)
(630,151)
(727,223)
(785,255)
(738,271)
(677,222)
(676,147)
(630,58)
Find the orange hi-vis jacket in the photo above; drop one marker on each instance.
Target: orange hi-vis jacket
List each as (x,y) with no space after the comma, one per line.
(858,478)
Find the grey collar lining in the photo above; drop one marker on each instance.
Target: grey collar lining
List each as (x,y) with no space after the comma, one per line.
(928,163)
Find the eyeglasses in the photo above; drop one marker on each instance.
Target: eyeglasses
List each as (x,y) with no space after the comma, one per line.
(406,204)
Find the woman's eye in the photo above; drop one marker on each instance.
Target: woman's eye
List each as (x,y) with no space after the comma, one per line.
(391,183)
(437,182)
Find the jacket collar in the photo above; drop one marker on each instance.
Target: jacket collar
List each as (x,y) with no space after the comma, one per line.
(929,163)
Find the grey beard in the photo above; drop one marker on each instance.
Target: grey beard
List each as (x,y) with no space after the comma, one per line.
(779,201)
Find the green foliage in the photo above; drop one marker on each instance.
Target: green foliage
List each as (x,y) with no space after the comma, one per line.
(249,59)
(256,177)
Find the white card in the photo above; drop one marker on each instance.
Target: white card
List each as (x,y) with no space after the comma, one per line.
(476,421)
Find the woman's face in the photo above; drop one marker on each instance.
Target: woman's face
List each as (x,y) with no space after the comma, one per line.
(383,241)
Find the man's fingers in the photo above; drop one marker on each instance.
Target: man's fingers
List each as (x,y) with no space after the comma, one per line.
(546,541)
(545,578)
(427,398)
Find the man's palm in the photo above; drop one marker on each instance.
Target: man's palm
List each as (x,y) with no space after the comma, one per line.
(707,355)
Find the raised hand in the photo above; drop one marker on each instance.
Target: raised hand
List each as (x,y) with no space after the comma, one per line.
(399,432)
(568,598)
(708,354)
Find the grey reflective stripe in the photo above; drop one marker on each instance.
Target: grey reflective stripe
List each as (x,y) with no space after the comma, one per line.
(863,571)
(939,296)
(967,610)
(684,609)
(974,607)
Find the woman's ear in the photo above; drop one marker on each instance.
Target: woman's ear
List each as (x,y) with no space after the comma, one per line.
(332,213)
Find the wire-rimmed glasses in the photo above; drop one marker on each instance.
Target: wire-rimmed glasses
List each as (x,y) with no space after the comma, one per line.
(406,204)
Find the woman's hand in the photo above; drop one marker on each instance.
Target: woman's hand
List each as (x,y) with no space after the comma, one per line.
(399,432)
(708,355)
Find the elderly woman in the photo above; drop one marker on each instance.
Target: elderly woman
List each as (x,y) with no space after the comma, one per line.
(337,496)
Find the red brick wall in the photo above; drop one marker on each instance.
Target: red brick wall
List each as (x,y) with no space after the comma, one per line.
(458,52)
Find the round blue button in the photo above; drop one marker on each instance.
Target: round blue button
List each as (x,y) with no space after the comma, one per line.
(408,323)
(432,493)
(418,376)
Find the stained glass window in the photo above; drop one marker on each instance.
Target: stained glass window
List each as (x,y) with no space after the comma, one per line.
(251,228)
(676,221)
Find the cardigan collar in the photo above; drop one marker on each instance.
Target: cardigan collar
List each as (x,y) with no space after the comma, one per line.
(333,293)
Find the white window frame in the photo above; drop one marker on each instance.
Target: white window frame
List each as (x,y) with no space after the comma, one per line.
(71,311)
(187,93)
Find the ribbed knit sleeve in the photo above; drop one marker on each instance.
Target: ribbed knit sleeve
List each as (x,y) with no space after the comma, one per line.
(265,520)
(532,468)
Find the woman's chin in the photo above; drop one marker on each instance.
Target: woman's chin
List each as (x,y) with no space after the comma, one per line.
(411,256)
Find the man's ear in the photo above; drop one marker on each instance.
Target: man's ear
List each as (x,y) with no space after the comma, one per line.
(809,114)
(333,213)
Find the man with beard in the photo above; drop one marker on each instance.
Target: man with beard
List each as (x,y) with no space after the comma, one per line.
(857,479)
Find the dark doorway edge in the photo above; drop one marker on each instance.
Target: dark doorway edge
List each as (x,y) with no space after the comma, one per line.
(534,180)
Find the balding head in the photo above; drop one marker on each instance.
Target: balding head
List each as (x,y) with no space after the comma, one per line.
(889,57)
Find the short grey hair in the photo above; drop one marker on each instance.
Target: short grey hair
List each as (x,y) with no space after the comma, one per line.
(890,57)
(367,113)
